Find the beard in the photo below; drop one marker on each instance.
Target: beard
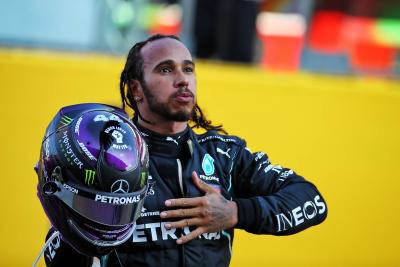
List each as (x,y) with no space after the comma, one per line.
(164,110)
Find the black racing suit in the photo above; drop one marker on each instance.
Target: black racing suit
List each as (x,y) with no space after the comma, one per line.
(270,199)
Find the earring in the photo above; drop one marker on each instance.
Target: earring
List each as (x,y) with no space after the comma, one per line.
(137,98)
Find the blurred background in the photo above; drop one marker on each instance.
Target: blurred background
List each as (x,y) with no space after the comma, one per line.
(315,84)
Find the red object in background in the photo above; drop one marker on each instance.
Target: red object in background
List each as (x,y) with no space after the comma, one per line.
(281,52)
(167,20)
(166,29)
(371,56)
(326,31)
(355,30)
(282,36)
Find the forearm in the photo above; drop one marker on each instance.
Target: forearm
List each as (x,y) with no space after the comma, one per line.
(294,208)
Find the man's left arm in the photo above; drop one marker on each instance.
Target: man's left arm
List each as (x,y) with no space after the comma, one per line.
(272,199)
(269,199)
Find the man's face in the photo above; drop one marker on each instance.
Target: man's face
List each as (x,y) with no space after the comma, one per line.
(169,82)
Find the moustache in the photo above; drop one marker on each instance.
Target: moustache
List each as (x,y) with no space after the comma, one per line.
(182,90)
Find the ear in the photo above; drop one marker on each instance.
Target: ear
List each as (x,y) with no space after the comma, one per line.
(135,89)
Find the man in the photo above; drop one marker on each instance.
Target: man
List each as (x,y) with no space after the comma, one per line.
(205,185)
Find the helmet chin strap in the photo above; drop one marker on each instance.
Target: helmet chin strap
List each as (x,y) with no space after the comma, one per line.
(54,235)
(101,243)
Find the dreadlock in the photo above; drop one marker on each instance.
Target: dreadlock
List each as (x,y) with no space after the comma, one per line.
(133,70)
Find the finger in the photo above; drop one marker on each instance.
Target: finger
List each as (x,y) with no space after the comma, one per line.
(183,223)
(184,202)
(192,235)
(202,185)
(181,213)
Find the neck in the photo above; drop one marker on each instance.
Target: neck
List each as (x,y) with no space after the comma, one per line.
(164,127)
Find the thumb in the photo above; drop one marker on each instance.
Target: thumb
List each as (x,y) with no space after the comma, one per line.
(202,185)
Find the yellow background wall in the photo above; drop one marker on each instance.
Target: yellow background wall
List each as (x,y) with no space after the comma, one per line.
(342,133)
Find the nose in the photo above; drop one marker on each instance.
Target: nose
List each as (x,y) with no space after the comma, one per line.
(181,79)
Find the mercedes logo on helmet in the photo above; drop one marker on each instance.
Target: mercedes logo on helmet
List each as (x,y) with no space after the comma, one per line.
(120,186)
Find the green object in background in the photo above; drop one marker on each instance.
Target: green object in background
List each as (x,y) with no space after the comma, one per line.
(387,31)
(147,16)
(123,15)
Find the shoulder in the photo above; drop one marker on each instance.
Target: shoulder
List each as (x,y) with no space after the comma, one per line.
(221,144)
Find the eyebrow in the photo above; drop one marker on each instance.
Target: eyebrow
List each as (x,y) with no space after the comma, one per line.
(171,62)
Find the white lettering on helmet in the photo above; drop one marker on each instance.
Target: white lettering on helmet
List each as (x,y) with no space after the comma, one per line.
(102,117)
(70,188)
(87,152)
(69,153)
(117,200)
(78,123)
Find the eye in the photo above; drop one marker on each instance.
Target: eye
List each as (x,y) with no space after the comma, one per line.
(165,69)
(189,69)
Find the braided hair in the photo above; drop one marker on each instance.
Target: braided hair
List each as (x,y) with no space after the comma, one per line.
(133,70)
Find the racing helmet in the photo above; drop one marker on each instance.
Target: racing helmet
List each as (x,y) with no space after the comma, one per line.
(93,176)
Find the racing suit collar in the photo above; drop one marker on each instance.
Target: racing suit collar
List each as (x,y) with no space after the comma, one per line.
(165,145)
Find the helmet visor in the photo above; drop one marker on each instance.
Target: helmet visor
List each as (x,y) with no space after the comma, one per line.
(113,209)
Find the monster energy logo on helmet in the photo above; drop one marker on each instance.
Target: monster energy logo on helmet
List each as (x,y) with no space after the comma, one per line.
(66,120)
(89,176)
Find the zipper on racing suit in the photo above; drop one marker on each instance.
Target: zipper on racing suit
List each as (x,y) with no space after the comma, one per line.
(180,180)
(189,143)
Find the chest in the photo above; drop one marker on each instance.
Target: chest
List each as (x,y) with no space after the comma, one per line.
(173,176)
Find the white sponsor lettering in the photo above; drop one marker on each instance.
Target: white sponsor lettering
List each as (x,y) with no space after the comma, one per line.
(262,163)
(139,235)
(115,128)
(102,117)
(119,147)
(145,213)
(298,215)
(70,188)
(320,204)
(117,133)
(117,200)
(259,155)
(51,249)
(276,168)
(153,230)
(150,192)
(87,152)
(150,213)
(313,210)
(77,125)
(115,118)
(226,140)
(211,236)
(209,178)
(284,175)
(157,231)
(69,153)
